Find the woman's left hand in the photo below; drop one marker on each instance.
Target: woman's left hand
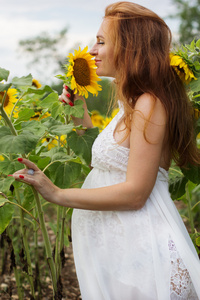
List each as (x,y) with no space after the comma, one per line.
(35,177)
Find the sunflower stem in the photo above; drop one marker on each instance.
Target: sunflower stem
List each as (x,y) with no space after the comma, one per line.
(57,257)
(189,208)
(26,247)
(62,233)
(16,105)
(37,264)
(16,270)
(8,121)
(47,243)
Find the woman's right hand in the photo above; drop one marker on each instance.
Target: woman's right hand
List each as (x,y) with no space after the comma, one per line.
(66,99)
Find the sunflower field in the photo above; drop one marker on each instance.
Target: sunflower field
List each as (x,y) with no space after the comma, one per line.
(35,125)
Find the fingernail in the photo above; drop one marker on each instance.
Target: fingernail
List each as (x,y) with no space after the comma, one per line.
(10,175)
(66,87)
(20,159)
(71,103)
(68,95)
(64,101)
(21,176)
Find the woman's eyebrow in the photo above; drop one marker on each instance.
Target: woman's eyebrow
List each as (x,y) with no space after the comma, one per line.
(99,36)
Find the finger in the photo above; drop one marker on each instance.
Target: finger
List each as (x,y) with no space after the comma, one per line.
(22,172)
(26,172)
(60,98)
(66,94)
(28,164)
(24,178)
(65,99)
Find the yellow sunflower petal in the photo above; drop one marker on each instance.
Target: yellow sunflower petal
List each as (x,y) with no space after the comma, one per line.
(36,83)
(10,99)
(82,72)
(181,68)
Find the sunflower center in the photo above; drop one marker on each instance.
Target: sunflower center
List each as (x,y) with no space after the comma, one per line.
(6,100)
(81,72)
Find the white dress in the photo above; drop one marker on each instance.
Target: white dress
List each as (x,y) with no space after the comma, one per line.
(143,254)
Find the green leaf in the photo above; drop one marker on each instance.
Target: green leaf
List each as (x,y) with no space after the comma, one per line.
(25,115)
(49,100)
(29,200)
(50,122)
(22,81)
(9,167)
(5,184)
(43,162)
(35,127)
(198,241)
(61,77)
(82,144)
(6,213)
(195,85)
(4,87)
(40,91)
(57,154)
(61,129)
(4,74)
(198,44)
(23,143)
(177,186)
(77,110)
(57,127)
(66,174)
(192,173)
(57,109)
(2,201)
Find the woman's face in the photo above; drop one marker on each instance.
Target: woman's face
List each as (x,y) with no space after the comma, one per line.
(103,51)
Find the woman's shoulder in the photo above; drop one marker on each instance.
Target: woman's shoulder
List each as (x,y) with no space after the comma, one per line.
(151,107)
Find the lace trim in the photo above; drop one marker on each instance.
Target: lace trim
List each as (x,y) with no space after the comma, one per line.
(106,153)
(181,287)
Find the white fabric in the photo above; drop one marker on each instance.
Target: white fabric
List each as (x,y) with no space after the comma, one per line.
(145,254)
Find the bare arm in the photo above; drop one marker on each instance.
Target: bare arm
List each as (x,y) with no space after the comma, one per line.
(142,169)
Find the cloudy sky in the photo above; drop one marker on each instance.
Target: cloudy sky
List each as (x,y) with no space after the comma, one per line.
(23,19)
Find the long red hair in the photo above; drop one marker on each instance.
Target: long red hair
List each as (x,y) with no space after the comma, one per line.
(142,42)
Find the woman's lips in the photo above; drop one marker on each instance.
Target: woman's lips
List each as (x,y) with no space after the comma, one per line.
(97,62)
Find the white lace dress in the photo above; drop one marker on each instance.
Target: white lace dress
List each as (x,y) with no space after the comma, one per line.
(142,254)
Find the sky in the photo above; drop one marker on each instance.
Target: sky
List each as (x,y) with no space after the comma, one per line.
(24,19)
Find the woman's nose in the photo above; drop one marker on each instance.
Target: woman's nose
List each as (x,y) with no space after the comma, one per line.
(93,51)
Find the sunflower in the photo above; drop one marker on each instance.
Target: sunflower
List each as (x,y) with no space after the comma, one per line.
(114,112)
(97,119)
(38,116)
(81,72)
(181,68)
(50,143)
(10,100)
(54,142)
(36,83)
(1,158)
(106,121)
(196,113)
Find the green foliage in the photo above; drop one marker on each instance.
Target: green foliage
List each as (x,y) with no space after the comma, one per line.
(189,16)
(184,183)
(50,141)
(6,214)
(101,102)
(35,124)
(4,74)
(81,144)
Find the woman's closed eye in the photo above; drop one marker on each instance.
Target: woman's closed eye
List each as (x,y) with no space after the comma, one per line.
(100,41)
